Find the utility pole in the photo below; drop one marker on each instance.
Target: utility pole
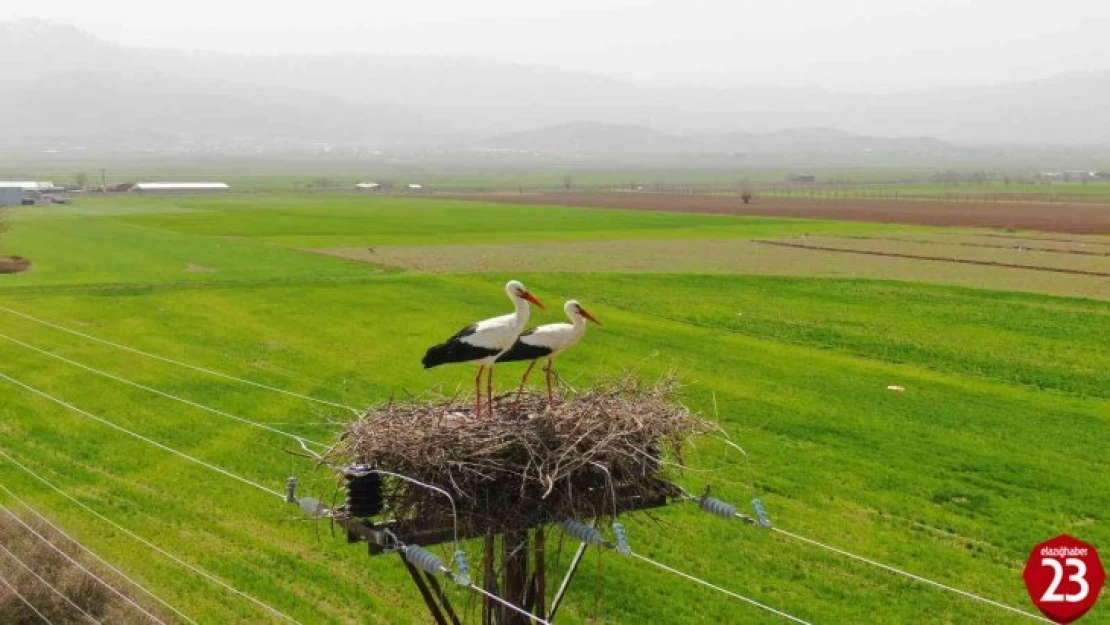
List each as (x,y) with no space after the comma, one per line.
(103,179)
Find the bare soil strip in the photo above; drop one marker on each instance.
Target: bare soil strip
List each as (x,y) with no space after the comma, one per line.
(723,256)
(1024,248)
(1063,217)
(1010,236)
(947,259)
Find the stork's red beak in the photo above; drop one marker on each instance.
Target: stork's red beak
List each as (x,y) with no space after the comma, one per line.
(587,315)
(532,298)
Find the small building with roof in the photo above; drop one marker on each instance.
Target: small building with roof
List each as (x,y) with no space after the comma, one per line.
(10,194)
(179,187)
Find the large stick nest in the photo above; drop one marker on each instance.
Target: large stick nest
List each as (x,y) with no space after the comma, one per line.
(592,455)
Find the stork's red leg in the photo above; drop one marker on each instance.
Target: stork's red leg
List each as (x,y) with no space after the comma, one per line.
(489,391)
(548,370)
(478,392)
(524,380)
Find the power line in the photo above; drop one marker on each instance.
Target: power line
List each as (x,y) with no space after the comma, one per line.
(19,595)
(74,562)
(357,411)
(300,439)
(686,576)
(912,576)
(471,586)
(432,565)
(48,584)
(195,569)
(734,595)
(726,510)
(177,362)
(138,436)
(149,389)
(102,561)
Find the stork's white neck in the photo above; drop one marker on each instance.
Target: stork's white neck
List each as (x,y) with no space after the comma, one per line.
(578,320)
(523,310)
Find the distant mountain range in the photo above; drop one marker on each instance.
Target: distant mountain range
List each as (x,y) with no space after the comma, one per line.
(64,87)
(596,139)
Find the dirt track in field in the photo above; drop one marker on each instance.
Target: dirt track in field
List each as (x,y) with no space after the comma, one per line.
(1074,218)
(947,259)
(1021,248)
(744,256)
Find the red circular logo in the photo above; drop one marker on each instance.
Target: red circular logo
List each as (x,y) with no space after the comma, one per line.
(1064,577)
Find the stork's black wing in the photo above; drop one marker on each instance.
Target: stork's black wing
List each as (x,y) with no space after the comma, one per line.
(455,349)
(524,351)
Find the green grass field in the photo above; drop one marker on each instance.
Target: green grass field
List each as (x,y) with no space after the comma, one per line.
(998,442)
(253,175)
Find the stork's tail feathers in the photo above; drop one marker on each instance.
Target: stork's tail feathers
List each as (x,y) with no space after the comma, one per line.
(455,350)
(437,355)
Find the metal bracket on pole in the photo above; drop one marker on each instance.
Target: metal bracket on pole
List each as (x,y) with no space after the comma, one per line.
(558,598)
(430,590)
(444,603)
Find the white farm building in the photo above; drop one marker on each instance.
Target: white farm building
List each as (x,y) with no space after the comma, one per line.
(10,195)
(29,186)
(12,192)
(179,187)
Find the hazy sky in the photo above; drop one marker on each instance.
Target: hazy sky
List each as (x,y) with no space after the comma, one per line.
(872,45)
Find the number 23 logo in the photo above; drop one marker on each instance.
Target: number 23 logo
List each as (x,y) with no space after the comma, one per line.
(1079,577)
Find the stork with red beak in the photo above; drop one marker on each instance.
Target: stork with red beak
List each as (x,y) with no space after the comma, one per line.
(548,341)
(481,343)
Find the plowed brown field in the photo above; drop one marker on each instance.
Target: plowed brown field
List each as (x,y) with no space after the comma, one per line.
(1077,218)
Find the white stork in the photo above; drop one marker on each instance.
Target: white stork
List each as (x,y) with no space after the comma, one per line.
(481,343)
(548,341)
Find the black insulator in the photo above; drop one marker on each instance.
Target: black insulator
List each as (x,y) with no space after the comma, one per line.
(364,493)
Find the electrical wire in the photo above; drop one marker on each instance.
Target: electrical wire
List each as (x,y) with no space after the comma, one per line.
(970,595)
(19,595)
(62,402)
(433,488)
(912,576)
(73,561)
(300,439)
(80,566)
(195,569)
(102,561)
(357,411)
(734,595)
(405,478)
(177,362)
(160,393)
(48,584)
(397,544)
